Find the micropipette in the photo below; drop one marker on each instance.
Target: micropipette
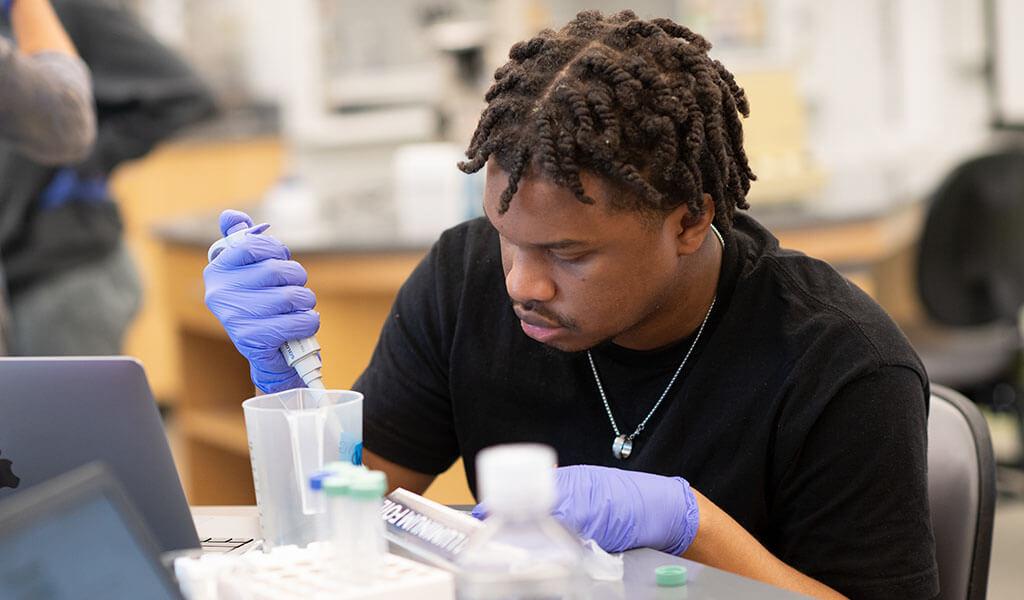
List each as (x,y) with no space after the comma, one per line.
(302,354)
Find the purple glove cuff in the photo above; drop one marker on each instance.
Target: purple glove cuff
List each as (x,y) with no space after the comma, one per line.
(622,509)
(272,383)
(689,520)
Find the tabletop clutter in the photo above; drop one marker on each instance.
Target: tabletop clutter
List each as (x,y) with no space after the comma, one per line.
(342,552)
(326,526)
(347,560)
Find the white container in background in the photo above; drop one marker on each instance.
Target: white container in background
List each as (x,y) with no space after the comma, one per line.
(431,194)
(292,204)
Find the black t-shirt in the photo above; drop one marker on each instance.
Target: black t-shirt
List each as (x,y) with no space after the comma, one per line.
(801,413)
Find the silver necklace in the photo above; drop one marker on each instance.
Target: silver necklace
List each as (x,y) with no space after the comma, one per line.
(622,445)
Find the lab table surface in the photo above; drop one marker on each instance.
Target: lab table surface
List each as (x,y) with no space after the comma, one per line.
(703,582)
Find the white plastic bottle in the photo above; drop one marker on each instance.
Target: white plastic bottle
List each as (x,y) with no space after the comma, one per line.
(522,553)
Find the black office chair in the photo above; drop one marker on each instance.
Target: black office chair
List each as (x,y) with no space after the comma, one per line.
(961,492)
(970,279)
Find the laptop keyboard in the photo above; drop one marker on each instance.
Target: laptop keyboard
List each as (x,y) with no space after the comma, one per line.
(222,545)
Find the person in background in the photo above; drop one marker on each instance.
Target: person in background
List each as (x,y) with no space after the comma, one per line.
(709,393)
(72,286)
(46,108)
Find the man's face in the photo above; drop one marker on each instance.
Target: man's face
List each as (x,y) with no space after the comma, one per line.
(582,274)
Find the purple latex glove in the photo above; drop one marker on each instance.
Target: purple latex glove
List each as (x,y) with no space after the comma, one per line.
(257,292)
(622,509)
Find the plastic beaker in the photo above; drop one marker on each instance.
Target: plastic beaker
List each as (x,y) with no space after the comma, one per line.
(293,434)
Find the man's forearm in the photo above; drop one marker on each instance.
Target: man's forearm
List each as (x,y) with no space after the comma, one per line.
(398,476)
(37,28)
(722,543)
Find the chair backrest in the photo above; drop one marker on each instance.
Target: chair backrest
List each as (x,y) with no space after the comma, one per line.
(970,267)
(961,491)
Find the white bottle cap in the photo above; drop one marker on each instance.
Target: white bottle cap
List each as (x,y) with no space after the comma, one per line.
(517,478)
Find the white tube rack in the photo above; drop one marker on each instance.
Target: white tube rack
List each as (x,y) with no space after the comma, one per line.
(292,573)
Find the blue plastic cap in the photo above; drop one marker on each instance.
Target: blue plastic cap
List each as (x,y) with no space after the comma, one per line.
(316,480)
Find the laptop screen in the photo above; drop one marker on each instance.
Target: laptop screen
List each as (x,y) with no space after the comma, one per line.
(84,551)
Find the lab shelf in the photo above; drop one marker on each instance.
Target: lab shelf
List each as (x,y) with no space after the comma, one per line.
(216,427)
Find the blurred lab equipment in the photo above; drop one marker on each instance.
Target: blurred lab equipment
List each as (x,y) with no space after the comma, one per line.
(430,193)
(257,293)
(292,435)
(462,42)
(291,203)
(522,552)
(356,76)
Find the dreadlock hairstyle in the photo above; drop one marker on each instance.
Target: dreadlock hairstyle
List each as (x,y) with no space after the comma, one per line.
(638,102)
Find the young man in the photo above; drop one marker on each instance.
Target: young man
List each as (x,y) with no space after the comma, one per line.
(714,395)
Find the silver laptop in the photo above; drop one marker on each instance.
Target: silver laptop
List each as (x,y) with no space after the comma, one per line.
(59,413)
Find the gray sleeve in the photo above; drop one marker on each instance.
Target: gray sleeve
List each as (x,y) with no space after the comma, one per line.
(46,105)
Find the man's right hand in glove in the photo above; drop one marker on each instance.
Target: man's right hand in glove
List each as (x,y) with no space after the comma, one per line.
(258,294)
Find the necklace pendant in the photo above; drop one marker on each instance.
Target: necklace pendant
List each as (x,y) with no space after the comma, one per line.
(622,447)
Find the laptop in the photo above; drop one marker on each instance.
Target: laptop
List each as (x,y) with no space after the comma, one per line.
(78,536)
(59,413)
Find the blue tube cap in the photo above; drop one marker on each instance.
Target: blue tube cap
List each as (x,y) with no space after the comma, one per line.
(316,480)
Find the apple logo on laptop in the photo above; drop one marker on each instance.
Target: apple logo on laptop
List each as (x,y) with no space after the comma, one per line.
(7,476)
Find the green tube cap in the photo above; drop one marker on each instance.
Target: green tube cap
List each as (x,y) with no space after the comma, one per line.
(670,575)
(337,485)
(370,485)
